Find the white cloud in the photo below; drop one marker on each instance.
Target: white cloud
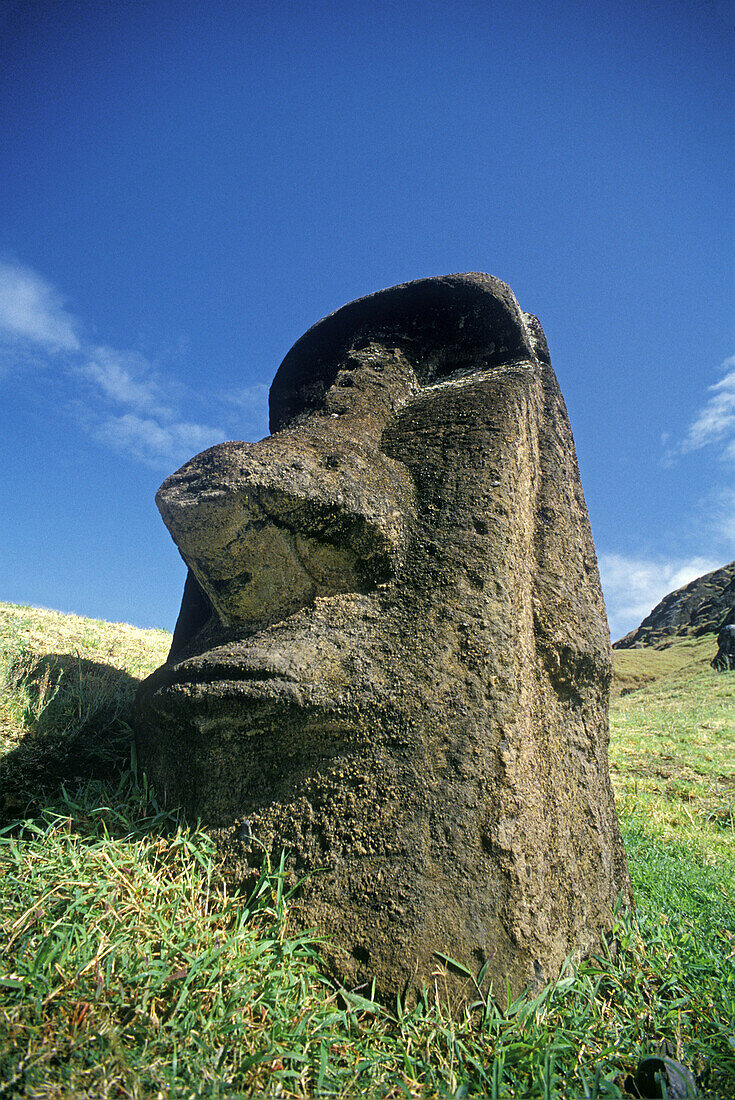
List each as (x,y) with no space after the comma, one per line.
(126,378)
(148,427)
(716,420)
(153,442)
(32,310)
(633,586)
(127,405)
(721,519)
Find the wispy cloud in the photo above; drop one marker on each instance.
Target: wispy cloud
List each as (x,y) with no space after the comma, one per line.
(151,441)
(713,426)
(715,422)
(126,378)
(31,310)
(120,398)
(719,512)
(633,586)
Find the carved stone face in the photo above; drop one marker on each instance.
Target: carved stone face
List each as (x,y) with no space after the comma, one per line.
(403,677)
(340,520)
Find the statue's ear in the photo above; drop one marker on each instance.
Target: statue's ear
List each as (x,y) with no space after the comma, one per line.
(196,610)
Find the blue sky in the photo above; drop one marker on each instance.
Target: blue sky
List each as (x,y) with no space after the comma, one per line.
(186,188)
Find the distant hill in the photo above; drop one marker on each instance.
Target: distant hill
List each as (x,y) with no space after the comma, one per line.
(700,607)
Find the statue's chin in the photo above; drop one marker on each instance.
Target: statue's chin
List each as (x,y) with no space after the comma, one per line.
(226,742)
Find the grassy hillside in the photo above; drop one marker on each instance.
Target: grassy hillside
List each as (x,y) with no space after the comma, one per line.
(66,686)
(672,753)
(128,969)
(634,668)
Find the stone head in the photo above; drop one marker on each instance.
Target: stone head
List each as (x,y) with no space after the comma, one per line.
(392,657)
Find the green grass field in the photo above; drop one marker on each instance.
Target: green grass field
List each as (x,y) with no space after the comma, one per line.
(127,968)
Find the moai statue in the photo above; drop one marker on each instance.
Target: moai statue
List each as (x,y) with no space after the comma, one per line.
(393,658)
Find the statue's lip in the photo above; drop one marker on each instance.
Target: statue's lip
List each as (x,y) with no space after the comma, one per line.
(186,673)
(191,684)
(245,687)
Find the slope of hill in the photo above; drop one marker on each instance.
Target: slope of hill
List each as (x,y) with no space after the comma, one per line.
(636,667)
(700,607)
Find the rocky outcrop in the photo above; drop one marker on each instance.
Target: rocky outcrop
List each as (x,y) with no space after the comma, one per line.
(700,607)
(393,658)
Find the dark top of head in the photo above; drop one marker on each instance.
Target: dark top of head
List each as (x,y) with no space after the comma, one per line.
(440,324)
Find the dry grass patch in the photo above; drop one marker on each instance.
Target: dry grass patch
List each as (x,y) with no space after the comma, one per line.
(39,631)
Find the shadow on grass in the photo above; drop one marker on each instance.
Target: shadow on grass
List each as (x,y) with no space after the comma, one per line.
(75,714)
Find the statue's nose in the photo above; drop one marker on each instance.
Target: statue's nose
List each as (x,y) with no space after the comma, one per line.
(268,527)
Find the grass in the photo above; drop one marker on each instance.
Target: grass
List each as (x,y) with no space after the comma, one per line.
(128,969)
(672,755)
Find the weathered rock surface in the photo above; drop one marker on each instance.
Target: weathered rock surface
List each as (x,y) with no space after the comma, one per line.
(393,657)
(700,607)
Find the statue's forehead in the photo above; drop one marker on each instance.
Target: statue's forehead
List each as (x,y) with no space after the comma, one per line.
(471,319)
